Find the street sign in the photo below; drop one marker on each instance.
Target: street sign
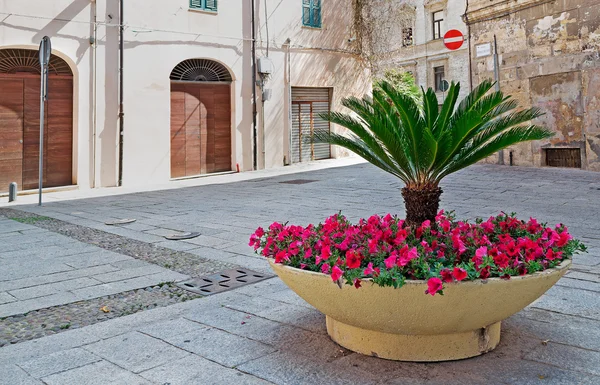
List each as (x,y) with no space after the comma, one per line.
(444,85)
(482,50)
(44,57)
(453,39)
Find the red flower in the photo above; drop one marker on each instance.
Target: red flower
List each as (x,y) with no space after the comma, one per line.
(357,283)
(459,274)
(336,273)
(446,275)
(391,260)
(501,261)
(434,285)
(325,268)
(484,273)
(562,239)
(353,259)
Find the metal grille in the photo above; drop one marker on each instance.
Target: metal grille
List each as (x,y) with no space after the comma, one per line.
(223,281)
(14,61)
(307,104)
(200,70)
(563,157)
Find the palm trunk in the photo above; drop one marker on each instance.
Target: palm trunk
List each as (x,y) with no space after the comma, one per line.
(421,204)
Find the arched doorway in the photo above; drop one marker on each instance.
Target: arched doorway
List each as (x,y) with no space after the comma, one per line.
(20,121)
(200,118)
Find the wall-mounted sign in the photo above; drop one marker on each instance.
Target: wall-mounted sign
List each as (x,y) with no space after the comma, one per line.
(482,50)
(453,39)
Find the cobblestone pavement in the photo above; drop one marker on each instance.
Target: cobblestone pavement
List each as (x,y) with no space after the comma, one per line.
(264,333)
(48,321)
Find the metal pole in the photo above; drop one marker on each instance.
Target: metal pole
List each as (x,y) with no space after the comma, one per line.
(497,80)
(42,110)
(121,97)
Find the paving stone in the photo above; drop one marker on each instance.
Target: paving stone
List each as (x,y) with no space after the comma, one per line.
(168,329)
(96,258)
(579,284)
(216,345)
(136,352)
(6,298)
(58,362)
(98,373)
(13,375)
(568,357)
(125,273)
(53,288)
(57,277)
(571,301)
(289,368)
(29,350)
(22,307)
(194,370)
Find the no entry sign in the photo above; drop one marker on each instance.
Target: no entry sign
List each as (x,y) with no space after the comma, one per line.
(453,39)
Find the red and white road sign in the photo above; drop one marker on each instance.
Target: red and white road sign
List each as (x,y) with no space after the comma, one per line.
(453,39)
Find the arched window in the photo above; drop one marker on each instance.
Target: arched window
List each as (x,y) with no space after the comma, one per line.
(14,61)
(200,70)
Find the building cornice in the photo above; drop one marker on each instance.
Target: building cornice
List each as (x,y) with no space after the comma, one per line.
(500,9)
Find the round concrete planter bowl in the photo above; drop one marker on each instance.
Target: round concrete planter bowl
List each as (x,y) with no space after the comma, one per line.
(405,324)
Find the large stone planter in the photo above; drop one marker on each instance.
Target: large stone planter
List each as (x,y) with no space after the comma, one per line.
(407,325)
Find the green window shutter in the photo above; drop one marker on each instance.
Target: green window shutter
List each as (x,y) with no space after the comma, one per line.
(211,5)
(316,13)
(306,12)
(197,4)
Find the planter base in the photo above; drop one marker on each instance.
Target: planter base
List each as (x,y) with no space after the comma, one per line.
(425,348)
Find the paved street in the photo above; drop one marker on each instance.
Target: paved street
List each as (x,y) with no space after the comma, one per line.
(63,255)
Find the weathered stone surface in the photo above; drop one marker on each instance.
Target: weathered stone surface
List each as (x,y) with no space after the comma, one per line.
(136,352)
(99,373)
(58,362)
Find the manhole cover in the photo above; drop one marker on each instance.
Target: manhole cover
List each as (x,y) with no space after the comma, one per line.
(223,281)
(178,237)
(299,181)
(120,222)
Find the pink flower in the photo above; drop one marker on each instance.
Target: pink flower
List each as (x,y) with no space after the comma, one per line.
(308,253)
(481,252)
(325,268)
(561,239)
(303,266)
(369,270)
(390,261)
(459,274)
(434,285)
(336,273)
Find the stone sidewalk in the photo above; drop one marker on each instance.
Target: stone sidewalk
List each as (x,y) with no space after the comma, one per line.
(263,333)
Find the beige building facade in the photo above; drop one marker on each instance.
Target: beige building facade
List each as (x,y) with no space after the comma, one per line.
(548,57)
(187,86)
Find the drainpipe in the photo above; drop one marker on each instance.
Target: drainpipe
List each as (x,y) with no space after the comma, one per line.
(288,43)
(94,94)
(121,114)
(468,23)
(254,112)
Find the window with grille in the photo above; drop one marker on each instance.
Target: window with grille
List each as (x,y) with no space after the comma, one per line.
(438,76)
(437,20)
(205,5)
(563,157)
(407,37)
(311,13)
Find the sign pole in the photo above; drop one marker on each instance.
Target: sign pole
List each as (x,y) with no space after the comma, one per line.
(44,57)
(497,80)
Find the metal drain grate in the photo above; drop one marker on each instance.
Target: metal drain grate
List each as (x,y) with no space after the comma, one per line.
(223,281)
(299,181)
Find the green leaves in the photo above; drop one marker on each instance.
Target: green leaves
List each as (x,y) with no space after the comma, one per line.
(419,142)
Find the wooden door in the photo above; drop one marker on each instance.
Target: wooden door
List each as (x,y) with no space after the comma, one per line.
(58,133)
(11,132)
(200,128)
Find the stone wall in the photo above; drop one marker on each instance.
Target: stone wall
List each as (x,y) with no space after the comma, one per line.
(548,58)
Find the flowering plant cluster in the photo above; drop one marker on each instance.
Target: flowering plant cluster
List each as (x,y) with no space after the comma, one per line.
(386,252)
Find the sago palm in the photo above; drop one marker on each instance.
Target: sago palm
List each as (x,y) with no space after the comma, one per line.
(421,143)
